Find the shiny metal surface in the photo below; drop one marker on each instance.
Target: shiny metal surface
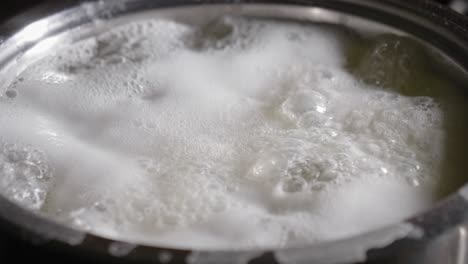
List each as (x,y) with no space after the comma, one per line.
(434,236)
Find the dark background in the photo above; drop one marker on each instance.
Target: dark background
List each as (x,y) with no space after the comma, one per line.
(11,7)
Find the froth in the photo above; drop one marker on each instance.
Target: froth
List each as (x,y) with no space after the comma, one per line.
(238,134)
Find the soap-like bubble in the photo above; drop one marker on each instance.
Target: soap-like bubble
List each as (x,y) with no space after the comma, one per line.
(26,174)
(239,133)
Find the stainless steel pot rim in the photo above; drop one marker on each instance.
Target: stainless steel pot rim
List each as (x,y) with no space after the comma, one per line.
(435,24)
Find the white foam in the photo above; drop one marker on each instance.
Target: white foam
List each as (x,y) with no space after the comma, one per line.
(251,135)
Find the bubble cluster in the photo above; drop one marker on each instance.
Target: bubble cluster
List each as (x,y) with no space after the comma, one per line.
(25,175)
(173,134)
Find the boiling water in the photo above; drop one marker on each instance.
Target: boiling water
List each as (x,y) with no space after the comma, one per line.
(238,134)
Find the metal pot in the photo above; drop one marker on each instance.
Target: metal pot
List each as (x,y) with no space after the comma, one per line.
(437,236)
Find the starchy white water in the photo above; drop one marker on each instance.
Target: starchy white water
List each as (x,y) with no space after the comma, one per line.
(244,134)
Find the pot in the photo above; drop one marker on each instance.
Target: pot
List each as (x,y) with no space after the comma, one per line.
(436,236)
